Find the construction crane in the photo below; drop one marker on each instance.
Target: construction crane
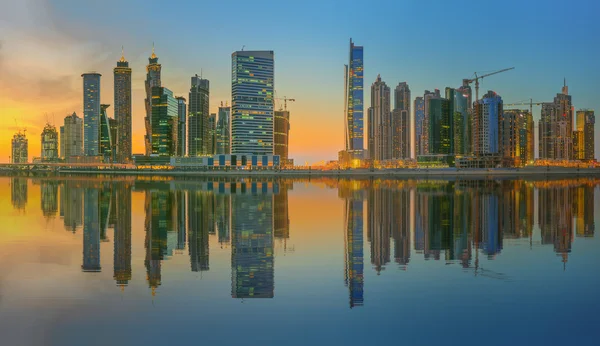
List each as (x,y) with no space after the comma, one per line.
(285,101)
(467,82)
(530,104)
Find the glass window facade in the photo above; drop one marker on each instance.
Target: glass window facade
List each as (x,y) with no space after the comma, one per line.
(164,122)
(91,113)
(355,101)
(252,86)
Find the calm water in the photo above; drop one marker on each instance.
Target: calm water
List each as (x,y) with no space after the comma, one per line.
(92,261)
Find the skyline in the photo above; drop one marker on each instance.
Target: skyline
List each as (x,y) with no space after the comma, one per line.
(47,38)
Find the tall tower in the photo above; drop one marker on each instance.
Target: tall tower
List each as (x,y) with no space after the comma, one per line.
(49,143)
(281,135)
(182,126)
(401,127)
(198,117)
(486,132)
(91,113)
(122,79)
(72,136)
(19,148)
(223,130)
(556,128)
(380,125)
(354,102)
(152,80)
(419,120)
(252,87)
(585,125)
(164,119)
(427,97)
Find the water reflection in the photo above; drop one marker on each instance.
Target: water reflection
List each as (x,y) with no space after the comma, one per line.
(458,222)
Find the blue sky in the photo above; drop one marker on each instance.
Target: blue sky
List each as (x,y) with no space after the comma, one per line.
(430,45)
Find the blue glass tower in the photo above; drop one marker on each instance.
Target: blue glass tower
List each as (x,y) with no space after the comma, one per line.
(354,101)
(252,86)
(91,113)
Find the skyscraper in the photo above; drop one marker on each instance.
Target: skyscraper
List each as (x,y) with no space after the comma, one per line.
(182,126)
(509,137)
(556,128)
(354,130)
(49,143)
(72,136)
(223,130)
(164,122)
(19,148)
(122,80)
(107,141)
(198,117)
(585,123)
(419,120)
(440,126)
(526,134)
(153,71)
(486,122)
(281,135)
(426,119)
(91,113)
(252,86)
(401,127)
(461,120)
(380,124)
(212,127)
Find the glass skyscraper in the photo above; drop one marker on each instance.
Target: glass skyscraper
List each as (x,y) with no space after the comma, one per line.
(122,78)
(198,143)
(223,127)
(164,122)
(91,113)
(153,79)
(182,126)
(354,101)
(252,86)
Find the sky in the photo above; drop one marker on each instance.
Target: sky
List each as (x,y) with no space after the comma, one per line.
(45,46)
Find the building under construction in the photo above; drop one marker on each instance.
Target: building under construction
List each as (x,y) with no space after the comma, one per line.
(19,148)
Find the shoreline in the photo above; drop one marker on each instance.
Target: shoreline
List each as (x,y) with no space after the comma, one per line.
(388,173)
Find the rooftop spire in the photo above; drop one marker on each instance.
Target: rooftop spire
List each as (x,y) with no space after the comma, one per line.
(122,55)
(153,56)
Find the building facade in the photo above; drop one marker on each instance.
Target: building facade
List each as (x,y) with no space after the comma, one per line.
(20,147)
(401,126)
(107,139)
(91,113)
(419,119)
(164,122)
(380,122)
(556,128)
(198,117)
(223,130)
(49,143)
(281,135)
(72,136)
(440,123)
(212,134)
(122,89)
(509,137)
(181,126)
(252,87)
(354,102)
(425,140)
(585,123)
(486,122)
(153,79)
(461,120)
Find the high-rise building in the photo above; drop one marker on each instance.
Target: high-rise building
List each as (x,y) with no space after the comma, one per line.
(419,120)
(526,134)
(72,136)
(164,122)
(19,148)
(123,140)
(252,87)
(223,130)
(354,100)
(182,126)
(107,140)
(461,121)
(153,79)
(556,128)
(426,119)
(401,127)
(198,118)
(91,113)
(509,137)
(281,135)
(380,122)
(440,122)
(49,143)
(486,122)
(585,123)
(212,140)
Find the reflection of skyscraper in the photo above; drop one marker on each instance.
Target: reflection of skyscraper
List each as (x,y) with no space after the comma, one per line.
(223,214)
(105,207)
(199,203)
(252,263)
(379,225)
(158,223)
(402,214)
(583,208)
(439,236)
(181,199)
(556,218)
(18,192)
(49,191)
(122,235)
(281,215)
(491,243)
(354,259)
(71,195)
(91,231)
